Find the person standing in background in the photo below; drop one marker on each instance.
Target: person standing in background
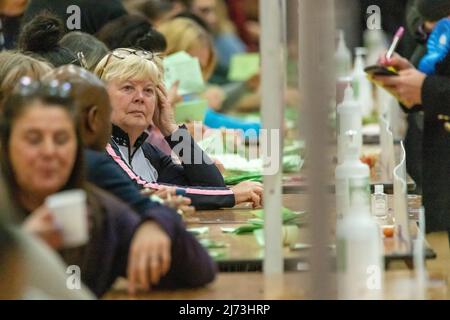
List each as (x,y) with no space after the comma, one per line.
(93,15)
(11,13)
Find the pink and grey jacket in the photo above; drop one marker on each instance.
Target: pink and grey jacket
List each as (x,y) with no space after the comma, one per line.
(149,167)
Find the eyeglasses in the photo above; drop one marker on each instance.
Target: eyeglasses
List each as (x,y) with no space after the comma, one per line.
(53,88)
(122,53)
(82,59)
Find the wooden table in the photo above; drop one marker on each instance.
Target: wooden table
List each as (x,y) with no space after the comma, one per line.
(243,253)
(298,182)
(289,286)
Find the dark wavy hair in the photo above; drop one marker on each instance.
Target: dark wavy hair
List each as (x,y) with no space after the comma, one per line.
(41,37)
(14,107)
(132,31)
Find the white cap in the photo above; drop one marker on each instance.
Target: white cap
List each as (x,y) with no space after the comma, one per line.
(379,188)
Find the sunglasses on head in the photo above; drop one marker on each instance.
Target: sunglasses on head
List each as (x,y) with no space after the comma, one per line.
(122,53)
(52,88)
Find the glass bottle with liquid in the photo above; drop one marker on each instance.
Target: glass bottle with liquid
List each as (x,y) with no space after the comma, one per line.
(379,202)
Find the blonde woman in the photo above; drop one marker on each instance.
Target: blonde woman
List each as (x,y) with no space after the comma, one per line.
(183,34)
(138,99)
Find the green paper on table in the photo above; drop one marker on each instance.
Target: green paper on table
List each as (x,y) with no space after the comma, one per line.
(247,228)
(292,163)
(198,231)
(289,218)
(235,179)
(191,111)
(228,229)
(238,169)
(216,254)
(294,147)
(182,67)
(243,66)
(212,244)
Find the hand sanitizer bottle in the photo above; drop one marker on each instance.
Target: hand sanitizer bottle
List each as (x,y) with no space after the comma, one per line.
(360,264)
(379,203)
(348,117)
(352,178)
(343,63)
(343,57)
(361,85)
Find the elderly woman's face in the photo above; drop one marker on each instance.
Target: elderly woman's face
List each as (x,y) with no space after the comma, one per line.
(42,149)
(133,103)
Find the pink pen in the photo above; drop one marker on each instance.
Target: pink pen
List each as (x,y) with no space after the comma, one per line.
(397,37)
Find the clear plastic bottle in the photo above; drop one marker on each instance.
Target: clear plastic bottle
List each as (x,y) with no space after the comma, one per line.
(361,85)
(379,202)
(343,63)
(351,178)
(359,248)
(348,117)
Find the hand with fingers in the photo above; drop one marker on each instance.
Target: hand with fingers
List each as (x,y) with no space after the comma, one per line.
(164,117)
(406,87)
(165,192)
(149,257)
(396,61)
(180,204)
(42,224)
(173,96)
(249,191)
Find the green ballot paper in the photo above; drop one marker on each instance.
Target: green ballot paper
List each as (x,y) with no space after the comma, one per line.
(190,111)
(243,66)
(185,69)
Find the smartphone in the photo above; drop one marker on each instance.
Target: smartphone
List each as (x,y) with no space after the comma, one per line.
(377,70)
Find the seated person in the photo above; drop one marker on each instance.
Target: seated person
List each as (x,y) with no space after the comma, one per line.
(138,98)
(92,103)
(13,66)
(42,154)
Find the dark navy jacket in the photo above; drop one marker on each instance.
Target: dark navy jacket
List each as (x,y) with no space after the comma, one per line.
(201,182)
(113,225)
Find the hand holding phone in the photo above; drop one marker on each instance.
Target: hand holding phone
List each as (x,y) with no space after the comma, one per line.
(378,70)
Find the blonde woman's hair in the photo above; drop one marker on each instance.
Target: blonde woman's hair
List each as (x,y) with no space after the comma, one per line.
(132,67)
(183,34)
(14,65)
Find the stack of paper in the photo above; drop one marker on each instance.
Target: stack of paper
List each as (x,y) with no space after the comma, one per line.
(243,66)
(182,67)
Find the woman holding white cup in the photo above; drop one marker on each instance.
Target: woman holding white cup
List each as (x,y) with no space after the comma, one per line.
(42,156)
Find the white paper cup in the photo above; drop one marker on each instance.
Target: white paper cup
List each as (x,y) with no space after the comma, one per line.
(70,211)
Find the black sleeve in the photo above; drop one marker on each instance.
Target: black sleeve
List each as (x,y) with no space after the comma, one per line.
(436,96)
(191,265)
(196,168)
(103,172)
